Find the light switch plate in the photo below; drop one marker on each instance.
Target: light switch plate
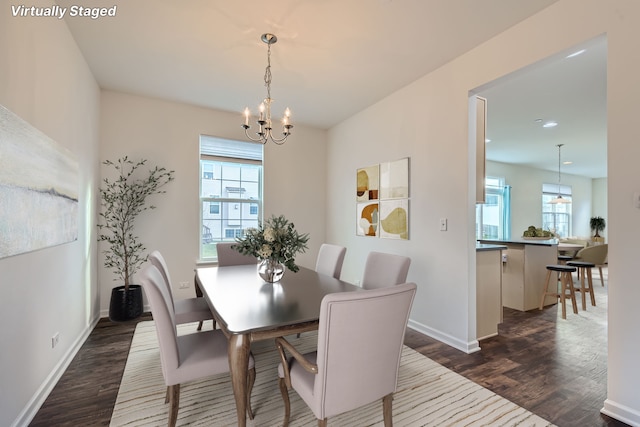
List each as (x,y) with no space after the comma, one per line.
(443,224)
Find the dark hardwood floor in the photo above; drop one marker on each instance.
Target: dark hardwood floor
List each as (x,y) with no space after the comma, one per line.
(555,368)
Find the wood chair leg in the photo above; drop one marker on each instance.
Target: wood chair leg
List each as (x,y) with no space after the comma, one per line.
(167,395)
(251,379)
(285,397)
(601,276)
(591,292)
(387,410)
(322,423)
(174,399)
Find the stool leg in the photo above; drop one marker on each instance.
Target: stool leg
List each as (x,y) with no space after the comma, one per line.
(590,281)
(572,293)
(582,289)
(546,289)
(562,294)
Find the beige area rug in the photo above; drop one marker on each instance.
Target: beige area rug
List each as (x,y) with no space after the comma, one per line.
(428,394)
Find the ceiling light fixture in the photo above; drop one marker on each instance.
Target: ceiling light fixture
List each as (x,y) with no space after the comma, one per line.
(264,119)
(559,199)
(550,124)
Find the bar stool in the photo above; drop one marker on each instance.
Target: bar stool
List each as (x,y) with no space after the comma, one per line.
(584,269)
(566,284)
(563,259)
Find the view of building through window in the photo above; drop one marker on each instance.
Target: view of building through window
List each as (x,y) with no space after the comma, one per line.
(230,191)
(493,217)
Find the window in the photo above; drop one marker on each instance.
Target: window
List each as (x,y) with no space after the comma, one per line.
(493,218)
(230,191)
(556,217)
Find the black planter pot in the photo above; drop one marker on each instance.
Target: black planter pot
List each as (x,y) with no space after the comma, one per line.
(125,305)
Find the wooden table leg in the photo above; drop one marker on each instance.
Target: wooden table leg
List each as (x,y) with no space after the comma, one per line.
(239,349)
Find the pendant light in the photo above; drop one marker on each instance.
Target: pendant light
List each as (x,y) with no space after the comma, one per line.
(559,199)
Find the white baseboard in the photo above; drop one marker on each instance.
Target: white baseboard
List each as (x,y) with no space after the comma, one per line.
(467,347)
(29,412)
(621,413)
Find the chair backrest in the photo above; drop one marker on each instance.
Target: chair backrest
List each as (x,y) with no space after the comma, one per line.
(229,256)
(164,317)
(330,259)
(596,254)
(360,340)
(157,259)
(382,270)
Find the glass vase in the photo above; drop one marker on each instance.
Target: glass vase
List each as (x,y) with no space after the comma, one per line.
(271,270)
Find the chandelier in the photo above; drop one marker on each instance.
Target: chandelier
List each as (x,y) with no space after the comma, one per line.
(559,199)
(265,129)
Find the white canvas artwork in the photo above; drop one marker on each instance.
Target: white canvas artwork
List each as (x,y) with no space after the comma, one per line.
(38,189)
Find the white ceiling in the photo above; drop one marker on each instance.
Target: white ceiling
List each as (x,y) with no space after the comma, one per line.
(333,58)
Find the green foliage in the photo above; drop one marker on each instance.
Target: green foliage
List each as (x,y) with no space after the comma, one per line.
(275,239)
(597,224)
(122,200)
(532,231)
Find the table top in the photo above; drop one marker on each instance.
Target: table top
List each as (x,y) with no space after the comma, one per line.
(245,303)
(562,246)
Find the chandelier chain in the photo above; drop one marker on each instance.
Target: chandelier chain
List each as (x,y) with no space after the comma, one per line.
(267,73)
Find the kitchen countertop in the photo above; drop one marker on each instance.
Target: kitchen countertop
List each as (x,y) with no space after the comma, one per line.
(520,240)
(489,247)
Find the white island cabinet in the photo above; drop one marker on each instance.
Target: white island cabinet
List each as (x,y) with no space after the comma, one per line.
(524,271)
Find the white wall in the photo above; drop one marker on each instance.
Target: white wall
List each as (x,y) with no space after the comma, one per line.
(45,80)
(167,134)
(526,196)
(428,121)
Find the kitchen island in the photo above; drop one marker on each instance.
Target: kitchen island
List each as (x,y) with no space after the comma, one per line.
(524,270)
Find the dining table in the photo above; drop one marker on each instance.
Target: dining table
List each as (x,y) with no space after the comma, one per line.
(569,248)
(248,309)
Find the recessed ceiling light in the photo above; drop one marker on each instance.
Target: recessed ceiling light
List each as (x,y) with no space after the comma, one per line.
(576,53)
(538,120)
(487,140)
(567,162)
(550,124)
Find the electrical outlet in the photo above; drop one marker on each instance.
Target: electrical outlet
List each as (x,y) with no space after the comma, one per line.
(55,339)
(443,224)
(184,285)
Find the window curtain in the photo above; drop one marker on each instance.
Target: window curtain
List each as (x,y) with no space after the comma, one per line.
(506,212)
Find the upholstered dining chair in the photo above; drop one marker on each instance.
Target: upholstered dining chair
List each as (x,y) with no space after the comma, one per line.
(186,310)
(188,357)
(383,270)
(330,259)
(360,340)
(229,256)
(596,254)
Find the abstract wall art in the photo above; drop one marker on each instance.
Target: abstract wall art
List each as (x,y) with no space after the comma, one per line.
(39,183)
(368,182)
(383,200)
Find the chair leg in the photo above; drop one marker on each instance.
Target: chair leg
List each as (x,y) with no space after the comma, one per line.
(251,379)
(387,410)
(174,398)
(322,423)
(583,290)
(285,397)
(200,325)
(590,282)
(601,276)
(166,397)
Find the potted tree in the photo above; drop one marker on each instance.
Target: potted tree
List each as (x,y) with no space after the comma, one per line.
(597,224)
(122,200)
